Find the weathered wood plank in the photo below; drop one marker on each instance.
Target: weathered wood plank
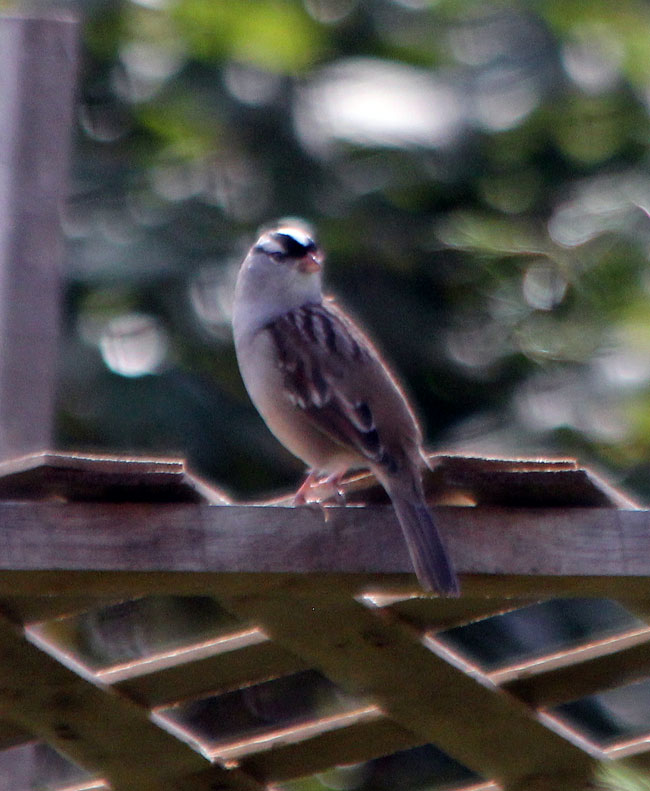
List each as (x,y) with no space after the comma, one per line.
(38,59)
(583,678)
(100,731)
(490,733)
(86,477)
(127,585)
(31,609)
(360,742)
(460,479)
(433,615)
(217,673)
(487,541)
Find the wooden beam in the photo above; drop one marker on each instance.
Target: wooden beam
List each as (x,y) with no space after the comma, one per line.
(499,590)
(38,63)
(490,733)
(358,743)
(32,609)
(527,547)
(100,731)
(430,615)
(578,680)
(211,675)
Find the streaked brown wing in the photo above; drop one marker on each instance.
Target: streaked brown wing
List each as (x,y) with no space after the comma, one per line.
(316,346)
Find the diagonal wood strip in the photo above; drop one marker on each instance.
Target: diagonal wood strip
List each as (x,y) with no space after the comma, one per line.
(489,733)
(218,673)
(23,610)
(563,684)
(434,614)
(102,732)
(360,742)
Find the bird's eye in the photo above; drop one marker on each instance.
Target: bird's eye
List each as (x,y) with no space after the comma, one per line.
(272,252)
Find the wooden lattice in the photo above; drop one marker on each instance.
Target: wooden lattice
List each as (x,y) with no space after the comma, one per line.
(313,648)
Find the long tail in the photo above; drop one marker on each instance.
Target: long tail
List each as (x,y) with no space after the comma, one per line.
(428,553)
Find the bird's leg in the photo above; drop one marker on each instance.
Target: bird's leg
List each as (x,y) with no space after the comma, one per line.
(329,488)
(331,493)
(300,497)
(333,484)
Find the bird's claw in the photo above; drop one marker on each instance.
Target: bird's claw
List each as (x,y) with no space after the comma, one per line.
(320,490)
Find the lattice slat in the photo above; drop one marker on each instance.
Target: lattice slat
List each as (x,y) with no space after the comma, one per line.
(547,689)
(215,673)
(103,733)
(433,614)
(417,689)
(309,595)
(22,609)
(360,742)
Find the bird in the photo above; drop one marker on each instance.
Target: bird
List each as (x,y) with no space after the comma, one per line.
(326,393)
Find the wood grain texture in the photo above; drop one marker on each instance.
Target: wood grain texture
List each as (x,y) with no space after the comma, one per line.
(588,677)
(100,731)
(68,477)
(355,744)
(431,615)
(365,540)
(491,734)
(212,675)
(38,62)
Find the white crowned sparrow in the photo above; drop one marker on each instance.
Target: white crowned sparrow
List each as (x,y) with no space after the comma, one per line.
(326,393)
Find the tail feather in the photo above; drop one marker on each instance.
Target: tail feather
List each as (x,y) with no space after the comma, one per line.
(428,552)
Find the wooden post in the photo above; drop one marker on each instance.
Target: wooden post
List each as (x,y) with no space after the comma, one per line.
(38,64)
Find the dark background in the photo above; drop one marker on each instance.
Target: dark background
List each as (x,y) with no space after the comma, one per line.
(477,172)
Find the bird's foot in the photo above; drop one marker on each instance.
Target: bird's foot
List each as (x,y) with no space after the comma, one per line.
(301,497)
(324,491)
(332,494)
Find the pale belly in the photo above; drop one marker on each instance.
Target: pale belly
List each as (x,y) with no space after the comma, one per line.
(264,383)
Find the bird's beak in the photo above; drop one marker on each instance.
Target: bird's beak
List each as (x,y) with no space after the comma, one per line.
(309,264)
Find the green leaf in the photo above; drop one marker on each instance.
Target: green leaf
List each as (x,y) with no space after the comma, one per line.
(270,34)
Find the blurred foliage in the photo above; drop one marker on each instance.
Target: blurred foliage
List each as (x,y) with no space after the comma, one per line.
(617,778)
(476,171)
